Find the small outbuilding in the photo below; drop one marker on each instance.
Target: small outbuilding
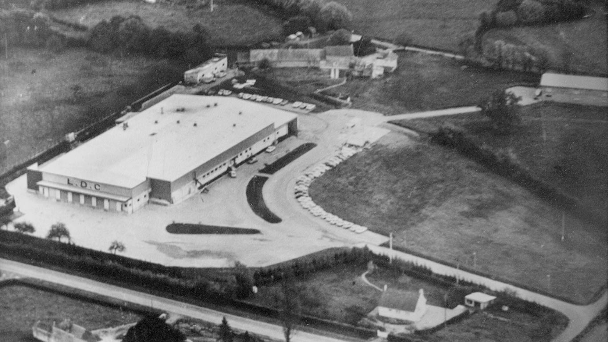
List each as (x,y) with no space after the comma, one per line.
(406,306)
(478,300)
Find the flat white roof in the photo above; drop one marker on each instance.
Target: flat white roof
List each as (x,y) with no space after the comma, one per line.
(573,81)
(480,297)
(156,146)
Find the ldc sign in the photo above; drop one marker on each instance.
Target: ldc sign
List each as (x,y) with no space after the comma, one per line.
(84,184)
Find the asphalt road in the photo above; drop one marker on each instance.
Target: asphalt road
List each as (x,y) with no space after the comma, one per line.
(167,305)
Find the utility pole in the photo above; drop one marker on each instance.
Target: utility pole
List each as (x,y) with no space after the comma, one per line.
(474,259)
(390,244)
(549,282)
(211,5)
(5,46)
(563,225)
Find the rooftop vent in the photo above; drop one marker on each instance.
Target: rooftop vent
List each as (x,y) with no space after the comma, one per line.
(208,105)
(177,121)
(195,124)
(155,121)
(215,104)
(240,113)
(233,125)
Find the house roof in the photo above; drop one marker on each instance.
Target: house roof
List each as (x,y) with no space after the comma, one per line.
(480,297)
(400,300)
(339,51)
(574,81)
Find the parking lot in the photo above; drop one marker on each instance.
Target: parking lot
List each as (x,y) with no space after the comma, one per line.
(144,234)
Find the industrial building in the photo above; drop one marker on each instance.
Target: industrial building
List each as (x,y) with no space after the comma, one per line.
(586,90)
(164,154)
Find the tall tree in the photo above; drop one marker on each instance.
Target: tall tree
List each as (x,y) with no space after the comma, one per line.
(244,281)
(226,334)
(59,231)
(290,308)
(502,107)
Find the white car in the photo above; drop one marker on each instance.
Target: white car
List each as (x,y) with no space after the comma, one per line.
(310,106)
(277,101)
(246,96)
(270,149)
(360,230)
(296,104)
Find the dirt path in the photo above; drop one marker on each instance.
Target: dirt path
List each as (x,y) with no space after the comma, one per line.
(364,278)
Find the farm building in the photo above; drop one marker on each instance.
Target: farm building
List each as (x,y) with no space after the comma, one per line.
(574,89)
(207,71)
(164,154)
(288,58)
(406,306)
(338,57)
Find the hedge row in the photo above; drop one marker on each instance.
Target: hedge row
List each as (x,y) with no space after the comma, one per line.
(322,15)
(502,164)
(529,12)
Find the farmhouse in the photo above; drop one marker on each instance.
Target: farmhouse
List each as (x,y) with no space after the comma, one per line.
(164,154)
(574,89)
(406,306)
(207,71)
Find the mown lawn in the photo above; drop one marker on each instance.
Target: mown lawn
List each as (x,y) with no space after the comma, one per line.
(563,144)
(232,22)
(439,24)
(22,306)
(441,204)
(44,95)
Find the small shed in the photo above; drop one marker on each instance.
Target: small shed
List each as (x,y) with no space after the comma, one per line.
(478,300)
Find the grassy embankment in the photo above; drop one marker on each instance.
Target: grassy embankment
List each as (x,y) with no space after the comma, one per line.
(441,204)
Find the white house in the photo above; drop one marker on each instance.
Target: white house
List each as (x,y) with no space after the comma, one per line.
(407,306)
(478,300)
(574,89)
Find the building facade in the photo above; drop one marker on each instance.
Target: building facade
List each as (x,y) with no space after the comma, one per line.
(164,154)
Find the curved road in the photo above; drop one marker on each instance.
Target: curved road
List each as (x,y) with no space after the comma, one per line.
(171,306)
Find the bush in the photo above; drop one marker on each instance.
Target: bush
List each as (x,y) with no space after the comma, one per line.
(531,11)
(404,38)
(335,16)
(264,64)
(505,19)
(340,37)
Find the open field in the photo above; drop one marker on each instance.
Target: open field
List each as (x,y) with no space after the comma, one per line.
(22,306)
(421,82)
(443,205)
(563,144)
(439,24)
(574,47)
(43,95)
(232,22)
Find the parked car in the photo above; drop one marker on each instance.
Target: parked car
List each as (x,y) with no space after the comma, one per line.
(246,96)
(310,106)
(270,149)
(277,101)
(284,102)
(252,160)
(297,104)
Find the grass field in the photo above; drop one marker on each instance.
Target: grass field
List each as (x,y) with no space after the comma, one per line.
(22,306)
(443,205)
(574,47)
(232,22)
(439,24)
(563,144)
(43,95)
(421,82)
